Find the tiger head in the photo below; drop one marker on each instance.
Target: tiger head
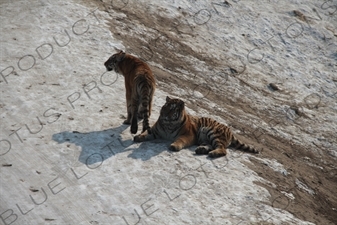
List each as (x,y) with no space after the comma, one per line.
(172,111)
(112,62)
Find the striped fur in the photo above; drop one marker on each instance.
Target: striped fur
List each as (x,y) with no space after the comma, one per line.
(140,85)
(185,130)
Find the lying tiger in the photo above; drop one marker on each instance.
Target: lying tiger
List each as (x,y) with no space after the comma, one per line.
(185,130)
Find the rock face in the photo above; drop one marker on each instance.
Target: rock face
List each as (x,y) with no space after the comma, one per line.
(268,70)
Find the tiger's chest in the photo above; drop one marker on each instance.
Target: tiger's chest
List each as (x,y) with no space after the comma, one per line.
(169,131)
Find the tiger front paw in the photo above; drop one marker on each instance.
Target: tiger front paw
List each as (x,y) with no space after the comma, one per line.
(138,138)
(202,150)
(148,129)
(217,153)
(174,148)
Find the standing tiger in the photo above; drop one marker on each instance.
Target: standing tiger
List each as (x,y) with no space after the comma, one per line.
(139,84)
(185,130)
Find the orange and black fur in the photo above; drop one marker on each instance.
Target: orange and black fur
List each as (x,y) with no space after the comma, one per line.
(185,130)
(140,85)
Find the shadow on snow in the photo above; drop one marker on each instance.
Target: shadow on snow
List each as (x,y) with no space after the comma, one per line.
(98,146)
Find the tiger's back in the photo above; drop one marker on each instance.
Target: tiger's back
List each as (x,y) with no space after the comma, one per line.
(139,84)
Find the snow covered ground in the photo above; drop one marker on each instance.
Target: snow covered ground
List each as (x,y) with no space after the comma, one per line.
(267,69)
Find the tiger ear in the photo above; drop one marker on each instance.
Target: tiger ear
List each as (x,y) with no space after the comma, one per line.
(182,103)
(120,56)
(168,98)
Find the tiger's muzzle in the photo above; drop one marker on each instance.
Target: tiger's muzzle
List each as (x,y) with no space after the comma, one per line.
(108,66)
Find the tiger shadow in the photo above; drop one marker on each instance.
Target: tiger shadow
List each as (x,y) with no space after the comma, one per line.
(147,150)
(95,146)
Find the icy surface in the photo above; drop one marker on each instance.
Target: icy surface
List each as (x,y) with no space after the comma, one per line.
(65,156)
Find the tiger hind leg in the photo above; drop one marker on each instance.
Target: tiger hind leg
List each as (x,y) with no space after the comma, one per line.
(145,112)
(134,124)
(140,114)
(219,146)
(128,119)
(217,152)
(128,106)
(203,149)
(134,119)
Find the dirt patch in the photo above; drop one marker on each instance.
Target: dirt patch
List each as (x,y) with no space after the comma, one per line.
(307,187)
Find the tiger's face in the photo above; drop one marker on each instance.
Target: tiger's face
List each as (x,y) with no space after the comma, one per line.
(172,110)
(112,62)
